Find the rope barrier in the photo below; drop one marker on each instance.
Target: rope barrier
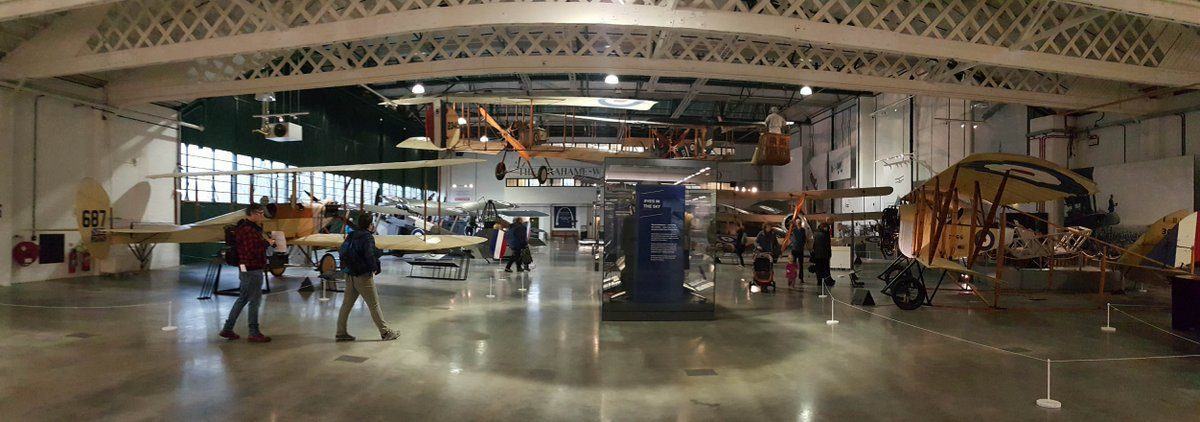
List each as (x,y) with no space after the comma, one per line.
(952,337)
(1154,326)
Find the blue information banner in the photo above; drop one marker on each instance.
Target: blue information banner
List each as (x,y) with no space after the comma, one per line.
(660,250)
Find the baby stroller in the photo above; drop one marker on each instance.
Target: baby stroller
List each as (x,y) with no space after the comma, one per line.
(764,272)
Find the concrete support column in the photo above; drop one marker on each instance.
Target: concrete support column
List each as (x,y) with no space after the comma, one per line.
(7,207)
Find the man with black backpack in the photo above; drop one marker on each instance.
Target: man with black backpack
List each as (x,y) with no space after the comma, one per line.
(360,262)
(249,253)
(518,242)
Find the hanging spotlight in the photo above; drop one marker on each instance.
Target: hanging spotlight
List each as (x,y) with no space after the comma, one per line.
(975,126)
(611,79)
(806,90)
(462,120)
(962,125)
(754,189)
(418,89)
(483,138)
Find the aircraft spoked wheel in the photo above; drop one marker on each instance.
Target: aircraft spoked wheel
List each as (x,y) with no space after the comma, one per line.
(908,293)
(501,170)
(543,174)
(327,266)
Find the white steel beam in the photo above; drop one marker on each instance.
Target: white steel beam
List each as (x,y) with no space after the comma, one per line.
(167,83)
(1182,11)
(17,9)
(687,98)
(605,14)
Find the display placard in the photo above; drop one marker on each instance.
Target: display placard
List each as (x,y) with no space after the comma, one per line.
(564,217)
(660,234)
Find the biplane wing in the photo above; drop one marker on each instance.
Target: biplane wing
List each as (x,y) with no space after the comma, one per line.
(395,165)
(666,121)
(1030,179)
(781,218)
(522,213)
(596,102)
(939,263)
(403,243)
(420,143)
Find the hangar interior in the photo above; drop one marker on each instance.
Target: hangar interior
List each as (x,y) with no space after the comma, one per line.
(996,201)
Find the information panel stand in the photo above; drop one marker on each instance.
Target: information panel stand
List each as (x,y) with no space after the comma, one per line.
(664,274)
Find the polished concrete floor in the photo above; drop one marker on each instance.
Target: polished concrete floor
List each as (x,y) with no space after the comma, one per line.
(544,354)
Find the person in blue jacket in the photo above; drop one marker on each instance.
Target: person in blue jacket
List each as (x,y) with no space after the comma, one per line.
(517,238)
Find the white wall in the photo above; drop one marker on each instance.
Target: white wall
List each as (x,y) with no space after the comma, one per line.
(74,142)
(1148,190)
(533,198)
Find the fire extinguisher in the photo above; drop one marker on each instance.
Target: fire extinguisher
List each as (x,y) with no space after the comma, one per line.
(72,261)
(86,261)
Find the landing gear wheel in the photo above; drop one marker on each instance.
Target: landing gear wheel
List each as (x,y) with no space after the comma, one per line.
(501,170)
(908,293)
(543,174)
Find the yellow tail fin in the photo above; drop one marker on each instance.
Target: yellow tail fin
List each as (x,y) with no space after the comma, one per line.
(93,215)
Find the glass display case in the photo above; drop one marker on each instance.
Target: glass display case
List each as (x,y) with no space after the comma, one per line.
(657,259)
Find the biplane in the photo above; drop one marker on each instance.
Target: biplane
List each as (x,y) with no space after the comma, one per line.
(960,218)
(300,224)
(520,134)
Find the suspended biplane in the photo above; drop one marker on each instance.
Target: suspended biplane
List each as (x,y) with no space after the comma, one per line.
(955,220)
(300,224)
(676,137)
(521,135)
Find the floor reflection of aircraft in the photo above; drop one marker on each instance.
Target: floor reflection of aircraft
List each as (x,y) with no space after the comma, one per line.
(296,223)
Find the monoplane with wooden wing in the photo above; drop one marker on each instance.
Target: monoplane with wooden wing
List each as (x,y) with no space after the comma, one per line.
(299,224)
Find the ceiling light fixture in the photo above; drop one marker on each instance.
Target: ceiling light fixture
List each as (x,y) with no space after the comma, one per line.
(806,90)
(483,138)
(418,89)
(611,79)
(462,120)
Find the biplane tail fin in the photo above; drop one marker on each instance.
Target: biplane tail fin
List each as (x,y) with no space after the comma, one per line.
(93,215)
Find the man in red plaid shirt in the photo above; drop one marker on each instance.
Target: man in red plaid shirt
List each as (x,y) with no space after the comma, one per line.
(251,252)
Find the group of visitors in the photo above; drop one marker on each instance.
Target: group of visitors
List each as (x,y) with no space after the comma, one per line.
(795,240)
(360,263)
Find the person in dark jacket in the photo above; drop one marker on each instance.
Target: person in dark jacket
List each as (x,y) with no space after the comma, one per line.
(768,241)
(822,252)
(360,261)
(251,250)
(739,246)
(797,239)
(518,240)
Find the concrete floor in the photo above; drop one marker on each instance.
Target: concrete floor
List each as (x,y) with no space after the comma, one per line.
(544,355)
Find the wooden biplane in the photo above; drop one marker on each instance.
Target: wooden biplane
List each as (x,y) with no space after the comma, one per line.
(301,224)
(960,218)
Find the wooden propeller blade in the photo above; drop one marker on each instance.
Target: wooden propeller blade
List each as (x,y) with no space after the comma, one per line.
(504,133)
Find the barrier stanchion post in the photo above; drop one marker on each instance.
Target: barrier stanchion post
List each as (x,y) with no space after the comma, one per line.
(522,281)
(324,290)
(491,287)
(1048,402)
(831,320)
(823,288)
(170,310)
(1108,328)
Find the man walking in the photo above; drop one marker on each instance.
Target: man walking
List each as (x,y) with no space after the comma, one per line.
(797,239)
(360,262)
(822,252)
(518,241)
(251,253)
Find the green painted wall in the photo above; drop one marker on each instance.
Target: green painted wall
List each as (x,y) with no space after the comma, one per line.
(344,126)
